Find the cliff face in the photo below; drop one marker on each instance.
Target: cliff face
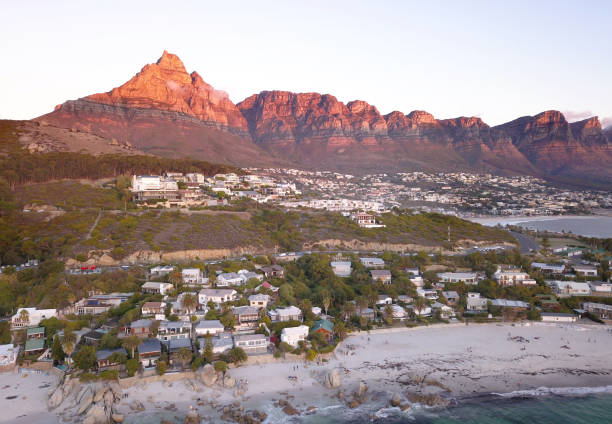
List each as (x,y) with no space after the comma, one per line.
(166,111)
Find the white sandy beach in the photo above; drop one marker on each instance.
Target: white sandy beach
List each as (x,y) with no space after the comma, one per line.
(30,404)
(453,361)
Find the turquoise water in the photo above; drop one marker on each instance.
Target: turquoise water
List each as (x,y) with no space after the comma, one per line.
(587,409)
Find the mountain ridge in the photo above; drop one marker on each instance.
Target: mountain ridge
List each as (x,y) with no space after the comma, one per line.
(167,111)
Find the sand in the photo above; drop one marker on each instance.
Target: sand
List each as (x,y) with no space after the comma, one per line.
(451,361)
(30,405)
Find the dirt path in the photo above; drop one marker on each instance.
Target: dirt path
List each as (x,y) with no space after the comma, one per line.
(94,225)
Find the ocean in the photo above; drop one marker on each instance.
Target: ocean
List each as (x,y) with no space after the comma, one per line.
(591,408)
(588,226)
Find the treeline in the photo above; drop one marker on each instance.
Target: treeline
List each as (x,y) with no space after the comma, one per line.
(23,167)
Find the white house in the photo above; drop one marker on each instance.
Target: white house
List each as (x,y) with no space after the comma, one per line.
(251,343)
(417,281)
(557,317)
(259,300)
(383,299)
(217,296)
(341,268)
(458,277)
(8,357)
(585,270)
(172,330)
(382,275)
(29,317)
(161,270)
(192,276)
(286,314)
(571,288)
(211,327)
(413,271)
(156,288)
(294,335)
(600,286)
(425,311)
(475,303)
(548,268)
(399,312)
(512,277)
(372,262)
(430,294)
(446,311)
(227,279)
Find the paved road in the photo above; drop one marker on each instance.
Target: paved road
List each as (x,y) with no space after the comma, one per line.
(526,243)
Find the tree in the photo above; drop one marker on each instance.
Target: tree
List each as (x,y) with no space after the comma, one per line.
(85,358)
(348,310)
(221,366)
(184,356)
(237,355)
(132,366)
(208,354)
(24,316)
(161,367)
(68,344)
(326,300)
(57,352)
(190,303)
(340,330)
(419,304)
(227,319)
(131,343)
(311,354)
(5,332)
(285,347)
(362,304)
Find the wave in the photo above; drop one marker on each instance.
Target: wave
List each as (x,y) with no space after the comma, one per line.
(559,391)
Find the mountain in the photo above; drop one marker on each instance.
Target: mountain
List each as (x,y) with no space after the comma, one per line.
(166,111)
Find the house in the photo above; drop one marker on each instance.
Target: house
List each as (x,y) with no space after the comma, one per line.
(149,352)
(192,276)
(417,281)
(259,300)
(557,317)
(548,302)
(341,268)
(34,346)
(372,262)
(290,313)
(425,311)
(153,308)
(28,317)
(294,335)
(324,327)
(512,277)
(227,279)
(429,294)
(458,277)
(600,310)
(571,288)
(600,287)
(109,359)
(175,346)
(404,298)
(413,271)
(267,286)
(246,316)
(585,270)
(446,311)
(383,299)
(181,307)
(35,333)
(93,337)
(273,271)
(399,312)
(221,343)
(251,343)
(172,330)
(139,328)
(517,305)
(316,311)
(381,275)
(548,268)
(475,303)
(451,296)
(8,357)
(364,220)
(247,275)
(161,270)
(217,296)
(153,287)
(367,313)
(211,327)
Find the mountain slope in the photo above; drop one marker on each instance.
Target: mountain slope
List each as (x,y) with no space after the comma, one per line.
(166,111)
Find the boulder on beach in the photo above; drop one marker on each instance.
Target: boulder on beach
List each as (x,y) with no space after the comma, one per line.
(396,400)
(229,381)
(192,418)
(363,388)
(56,398)
(208,375)
(118,418)
(332,379)
(85,401)
(96,415)
(100,392)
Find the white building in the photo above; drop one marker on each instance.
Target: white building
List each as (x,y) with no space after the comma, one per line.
(211,327)
(294,335)
(571,288)
(600,287)
(475,303)
(152,183)
(192,276)
(512,277)
(458,277)
(586,270)
(372,262)
(557,317)
(286,314)
(341,268)
(29,317)
(430,294)
(217,296)
(259,300)
(156,288)
(8,357)
(161,270)
(251,343)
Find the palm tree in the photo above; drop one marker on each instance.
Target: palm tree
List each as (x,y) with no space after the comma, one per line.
(388,314)
(326,300)
(340,330)
(419,304)
(131,343)
(348,310)
(24,316)
(190,303)
(68,345)
(372,299)
(362,303)
(175,278)
(184,356)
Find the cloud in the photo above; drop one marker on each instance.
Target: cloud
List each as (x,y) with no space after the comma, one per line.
(575,115)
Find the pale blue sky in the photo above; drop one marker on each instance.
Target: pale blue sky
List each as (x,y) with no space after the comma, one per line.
(494,59)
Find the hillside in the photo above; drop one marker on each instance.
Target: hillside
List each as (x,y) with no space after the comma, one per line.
(164,110)
(63,226)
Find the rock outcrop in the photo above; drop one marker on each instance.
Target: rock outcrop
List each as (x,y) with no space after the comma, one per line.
(332,379)
(208,375)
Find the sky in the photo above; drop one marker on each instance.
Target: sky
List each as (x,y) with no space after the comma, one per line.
(497,60)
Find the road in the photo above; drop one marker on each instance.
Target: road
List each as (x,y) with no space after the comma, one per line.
(526,243)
